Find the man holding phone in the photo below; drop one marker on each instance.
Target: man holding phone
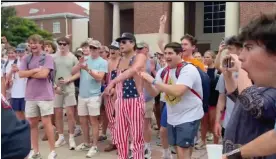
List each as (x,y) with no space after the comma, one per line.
(65,91)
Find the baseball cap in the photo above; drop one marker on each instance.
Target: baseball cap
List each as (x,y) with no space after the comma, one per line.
(127,36)
(95,43)
(114,45)
(21,47)
(141,45)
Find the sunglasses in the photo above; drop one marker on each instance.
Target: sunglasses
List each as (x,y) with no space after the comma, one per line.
(140,48)
(93,48)
(20,51)
(125,41)
(64,44)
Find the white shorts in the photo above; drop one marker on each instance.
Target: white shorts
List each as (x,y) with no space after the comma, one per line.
(89,106)
(65,100)
(39,108)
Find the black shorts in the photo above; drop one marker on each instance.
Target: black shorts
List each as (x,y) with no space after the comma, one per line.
(157,98)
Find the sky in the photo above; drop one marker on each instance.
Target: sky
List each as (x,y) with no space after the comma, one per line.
(83,4)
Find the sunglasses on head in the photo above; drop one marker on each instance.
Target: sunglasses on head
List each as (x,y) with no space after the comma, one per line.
(64,44)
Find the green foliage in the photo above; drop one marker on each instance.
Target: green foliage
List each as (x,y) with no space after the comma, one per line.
(17,29)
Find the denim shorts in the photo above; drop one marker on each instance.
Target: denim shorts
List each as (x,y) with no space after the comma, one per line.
(183,135)
(18,104)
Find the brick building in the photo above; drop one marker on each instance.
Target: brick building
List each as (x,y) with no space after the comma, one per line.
(59,18)
(209,22)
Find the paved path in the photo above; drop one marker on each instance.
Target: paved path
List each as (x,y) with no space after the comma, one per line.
(65,153)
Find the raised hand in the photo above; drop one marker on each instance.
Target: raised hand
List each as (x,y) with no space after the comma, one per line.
(163,19)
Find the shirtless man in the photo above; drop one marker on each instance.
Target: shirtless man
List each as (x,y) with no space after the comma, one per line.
(130,103)
(109,107)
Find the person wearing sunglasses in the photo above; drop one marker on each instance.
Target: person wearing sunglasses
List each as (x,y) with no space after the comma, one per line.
(92,70)
(65,91)
(129,90)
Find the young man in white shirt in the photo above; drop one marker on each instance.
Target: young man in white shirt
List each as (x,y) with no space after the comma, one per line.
(184,107)
(18,84)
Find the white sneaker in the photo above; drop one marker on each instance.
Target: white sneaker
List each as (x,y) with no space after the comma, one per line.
(52,155)
(167,154)
(200,146)
(32,155)
(93,151)
(72,144)
(61,141)
(82,147)
(147,153)
(210,137)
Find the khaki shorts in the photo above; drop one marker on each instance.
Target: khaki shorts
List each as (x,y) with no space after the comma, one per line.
(39,108)
(89,106)
(64,100)
(149,108)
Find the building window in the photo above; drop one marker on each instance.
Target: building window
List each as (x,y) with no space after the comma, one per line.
(214,17)
(56,27)
(41,26)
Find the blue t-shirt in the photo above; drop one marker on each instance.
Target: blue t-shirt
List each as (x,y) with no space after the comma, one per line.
(89,87)
(147,96)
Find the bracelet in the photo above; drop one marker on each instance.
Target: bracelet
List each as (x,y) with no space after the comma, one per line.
(154,82)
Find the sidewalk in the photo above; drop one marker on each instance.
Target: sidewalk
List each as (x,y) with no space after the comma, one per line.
(65,153)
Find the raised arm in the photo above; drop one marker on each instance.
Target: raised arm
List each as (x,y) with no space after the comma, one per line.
(161,39)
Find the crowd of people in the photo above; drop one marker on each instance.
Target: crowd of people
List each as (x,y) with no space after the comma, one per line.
(225,97)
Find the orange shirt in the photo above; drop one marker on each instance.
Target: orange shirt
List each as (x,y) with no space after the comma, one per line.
(195,62)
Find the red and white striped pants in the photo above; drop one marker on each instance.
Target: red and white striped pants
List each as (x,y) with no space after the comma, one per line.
(110,113)
(130,121)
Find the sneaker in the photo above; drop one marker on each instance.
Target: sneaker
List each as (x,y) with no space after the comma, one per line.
(93,151)
(32,155)
(130,156)
(210,137)
(77,132)
(166,155)
(52,155)
(60,142)
(72,144)
(147,154)
(102,138)
(82,147)
(200,146)
(173,151)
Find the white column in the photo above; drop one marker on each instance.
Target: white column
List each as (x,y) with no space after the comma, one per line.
(116,21)
(178,17)
(232,18)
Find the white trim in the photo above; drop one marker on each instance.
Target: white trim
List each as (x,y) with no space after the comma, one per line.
(56,27)
(69,15)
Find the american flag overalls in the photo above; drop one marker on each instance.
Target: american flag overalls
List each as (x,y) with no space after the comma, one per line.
(129,116)
(109,108)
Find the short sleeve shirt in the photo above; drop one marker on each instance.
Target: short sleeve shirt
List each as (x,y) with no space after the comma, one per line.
(188,107)
(38,89)
(89,87)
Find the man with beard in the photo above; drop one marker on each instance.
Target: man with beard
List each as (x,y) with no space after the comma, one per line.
(130,109)
(113,62)
(254,111)
(38,67)
(65,91)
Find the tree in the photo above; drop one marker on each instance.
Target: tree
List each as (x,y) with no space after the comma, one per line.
(6,12)
(17,29)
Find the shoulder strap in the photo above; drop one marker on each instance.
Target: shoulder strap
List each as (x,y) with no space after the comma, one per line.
(15,61)
(6,64)
(132,60)
(29,58)
(164,71)
(118,63)
(42,59)
(178,68)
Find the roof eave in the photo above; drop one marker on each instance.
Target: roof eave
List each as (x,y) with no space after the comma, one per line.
(57,15)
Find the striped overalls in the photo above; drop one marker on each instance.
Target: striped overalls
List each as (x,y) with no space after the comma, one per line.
(130,111)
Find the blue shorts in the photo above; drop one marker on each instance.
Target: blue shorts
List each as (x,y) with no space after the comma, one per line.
(163,121)
(18,104)
(183,135)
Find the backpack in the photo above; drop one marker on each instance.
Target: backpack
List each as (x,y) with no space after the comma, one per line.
(7,62)
(205,80)
(42,59)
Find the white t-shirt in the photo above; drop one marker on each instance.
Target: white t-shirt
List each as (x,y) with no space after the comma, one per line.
(187,108)
(19,84)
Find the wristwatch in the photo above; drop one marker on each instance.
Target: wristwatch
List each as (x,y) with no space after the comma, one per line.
(235,154)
